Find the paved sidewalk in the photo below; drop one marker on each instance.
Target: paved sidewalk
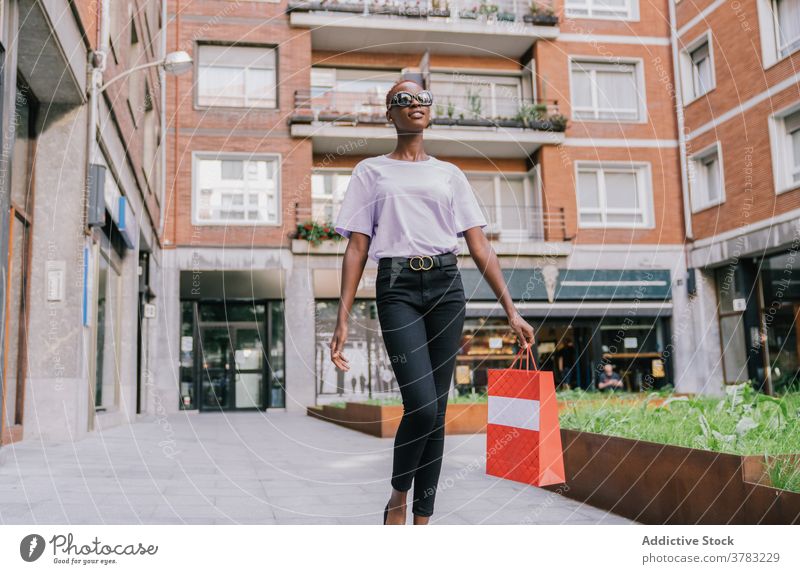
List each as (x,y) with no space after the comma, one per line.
(254,468)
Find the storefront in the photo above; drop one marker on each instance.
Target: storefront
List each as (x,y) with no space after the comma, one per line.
(759,320)
(232,343)
(582,319)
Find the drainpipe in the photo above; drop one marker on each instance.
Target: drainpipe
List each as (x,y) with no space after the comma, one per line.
(687,212)
(162,78)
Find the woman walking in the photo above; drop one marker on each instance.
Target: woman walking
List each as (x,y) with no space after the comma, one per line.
(405,210)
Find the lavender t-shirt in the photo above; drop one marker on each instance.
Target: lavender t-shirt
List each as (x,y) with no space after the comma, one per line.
(408,207)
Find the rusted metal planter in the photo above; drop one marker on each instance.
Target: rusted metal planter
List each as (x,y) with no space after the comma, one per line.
(664,484)
(382,420)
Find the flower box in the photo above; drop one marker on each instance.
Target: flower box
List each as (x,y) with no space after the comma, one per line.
(382,420)
(666,484)
(541,19)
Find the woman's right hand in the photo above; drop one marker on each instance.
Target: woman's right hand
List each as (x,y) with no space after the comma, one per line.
(337,346)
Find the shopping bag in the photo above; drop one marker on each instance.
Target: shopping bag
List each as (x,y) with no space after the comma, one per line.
(523,439)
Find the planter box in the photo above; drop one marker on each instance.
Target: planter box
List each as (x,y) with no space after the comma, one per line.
(443,121)
(509,123)
(474,122)
(665,484)
(301,118)
(541,19)
(382,420)
(326,247)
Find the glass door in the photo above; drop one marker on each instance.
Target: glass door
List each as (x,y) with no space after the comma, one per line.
(216,372)
(248,355)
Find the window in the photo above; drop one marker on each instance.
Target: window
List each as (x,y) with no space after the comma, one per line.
(779,23)
(606,91)
(476,97)
(237,76)
(614,195)
(616,9)
(787,25)
(706,179)
(327,191)
(236,190)
(509,205)
(344,90)
(785,135)
(697,68)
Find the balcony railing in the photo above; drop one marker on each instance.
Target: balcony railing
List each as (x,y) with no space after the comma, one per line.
(538,13)
(519,223)
(472,109)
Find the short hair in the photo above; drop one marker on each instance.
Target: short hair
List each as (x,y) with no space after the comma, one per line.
(390,93)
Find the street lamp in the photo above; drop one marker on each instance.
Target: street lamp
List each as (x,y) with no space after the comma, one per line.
(174,63)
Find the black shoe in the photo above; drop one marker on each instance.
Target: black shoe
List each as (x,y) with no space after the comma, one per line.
(385,512)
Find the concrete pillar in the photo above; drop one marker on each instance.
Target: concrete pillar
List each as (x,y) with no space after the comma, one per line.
(57,396)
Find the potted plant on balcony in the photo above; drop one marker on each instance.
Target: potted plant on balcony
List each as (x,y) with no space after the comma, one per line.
(440,9)
(475,106)
(303,6)
(506,16)
(552,123)
(470,14)
(343,6)
(410,10)
(384,7)
(488,10)
(440,118)
(315,232)
(506,122)
(540,15)
(448,120)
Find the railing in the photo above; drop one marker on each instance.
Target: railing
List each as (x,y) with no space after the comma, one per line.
(506,223)
(475,108)
(538,12)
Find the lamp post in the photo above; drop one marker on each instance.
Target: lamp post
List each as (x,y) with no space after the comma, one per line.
(174,63)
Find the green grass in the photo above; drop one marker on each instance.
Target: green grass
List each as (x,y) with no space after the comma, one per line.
(744,422)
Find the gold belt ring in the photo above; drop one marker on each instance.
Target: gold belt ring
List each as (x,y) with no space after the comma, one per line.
(422,266)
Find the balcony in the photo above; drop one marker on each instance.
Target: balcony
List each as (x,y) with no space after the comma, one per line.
(512,229)
(354,123)
(460,27)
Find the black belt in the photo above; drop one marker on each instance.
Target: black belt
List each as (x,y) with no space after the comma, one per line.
(418,262)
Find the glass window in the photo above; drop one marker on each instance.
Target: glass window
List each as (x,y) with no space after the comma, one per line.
(706,181)
(605,91)
(732,301)
(474,96)
(108,334)
(613,196)
(237,76)
(327,191)
(234,190)
(787,23)
(787,168)
(599,8)
(702,78)
(371,373)
(277,354)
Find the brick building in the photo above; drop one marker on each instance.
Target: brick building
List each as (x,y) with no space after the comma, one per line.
(286,97)
(741,139)
(80,197)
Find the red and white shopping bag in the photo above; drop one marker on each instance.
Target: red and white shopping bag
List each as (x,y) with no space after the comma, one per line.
(523,439)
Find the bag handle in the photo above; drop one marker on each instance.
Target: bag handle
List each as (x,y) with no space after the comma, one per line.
(528,356)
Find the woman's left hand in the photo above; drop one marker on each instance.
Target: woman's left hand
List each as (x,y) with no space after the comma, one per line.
(522,328)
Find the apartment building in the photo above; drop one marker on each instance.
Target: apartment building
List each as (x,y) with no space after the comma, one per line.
(741,143)
(561,118)
(81,205)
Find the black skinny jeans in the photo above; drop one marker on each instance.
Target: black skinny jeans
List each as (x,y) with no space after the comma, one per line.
(421,314)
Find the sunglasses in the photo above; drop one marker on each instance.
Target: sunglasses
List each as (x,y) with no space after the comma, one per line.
(405,99)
